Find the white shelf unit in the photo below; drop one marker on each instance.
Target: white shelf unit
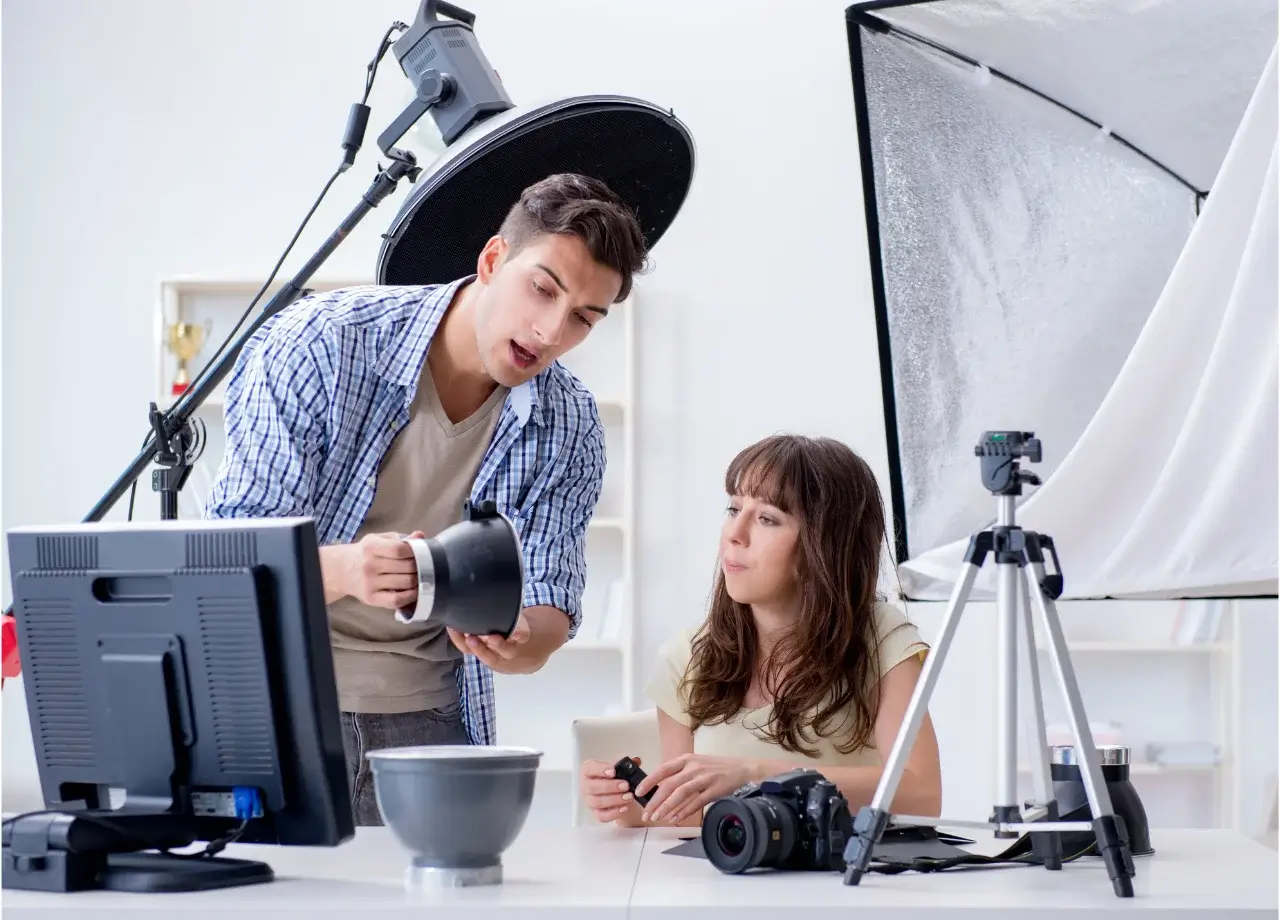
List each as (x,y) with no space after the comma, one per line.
(220,303)
(217,304)
(1133,671)
(590,675)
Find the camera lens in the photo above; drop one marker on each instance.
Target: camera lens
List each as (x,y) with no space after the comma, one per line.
(742,834)
(731,835)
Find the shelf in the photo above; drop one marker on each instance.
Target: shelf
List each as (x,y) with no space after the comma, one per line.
(1106,645)
(592,645)
(612,411)
(607,523)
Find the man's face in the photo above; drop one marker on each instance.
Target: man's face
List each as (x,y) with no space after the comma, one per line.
(536,304)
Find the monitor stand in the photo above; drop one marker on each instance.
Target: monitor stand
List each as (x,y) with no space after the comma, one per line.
(148,872)
(52,851)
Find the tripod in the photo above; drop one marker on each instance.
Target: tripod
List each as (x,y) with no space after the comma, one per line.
(1021,582)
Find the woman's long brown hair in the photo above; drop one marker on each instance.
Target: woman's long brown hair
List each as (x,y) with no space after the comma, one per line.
(821,674)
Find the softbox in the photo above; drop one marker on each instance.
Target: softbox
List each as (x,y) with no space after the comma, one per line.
(1032,172)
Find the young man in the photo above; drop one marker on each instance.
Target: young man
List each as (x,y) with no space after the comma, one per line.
(378,411)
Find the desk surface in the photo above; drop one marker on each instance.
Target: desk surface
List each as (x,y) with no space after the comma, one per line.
(545,873)
(1191,874)
(613,873)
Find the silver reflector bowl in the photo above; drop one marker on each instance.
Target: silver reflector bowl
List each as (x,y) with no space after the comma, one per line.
(455,808)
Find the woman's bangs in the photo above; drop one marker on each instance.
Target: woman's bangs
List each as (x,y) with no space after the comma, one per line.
(768,472)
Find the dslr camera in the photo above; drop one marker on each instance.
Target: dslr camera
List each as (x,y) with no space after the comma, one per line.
(795,820)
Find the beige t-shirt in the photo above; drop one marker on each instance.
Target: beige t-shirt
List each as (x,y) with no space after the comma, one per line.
(383,665)
(740,737)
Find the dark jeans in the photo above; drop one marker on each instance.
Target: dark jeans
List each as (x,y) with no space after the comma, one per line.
(363,732)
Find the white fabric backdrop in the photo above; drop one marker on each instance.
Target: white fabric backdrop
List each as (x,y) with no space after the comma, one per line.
(1172,488)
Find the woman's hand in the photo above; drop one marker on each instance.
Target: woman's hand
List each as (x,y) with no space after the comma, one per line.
(608,797)
(690,783)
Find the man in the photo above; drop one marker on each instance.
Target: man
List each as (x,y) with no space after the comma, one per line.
(379,411)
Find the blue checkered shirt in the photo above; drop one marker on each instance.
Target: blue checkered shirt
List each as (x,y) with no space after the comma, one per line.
(321,390)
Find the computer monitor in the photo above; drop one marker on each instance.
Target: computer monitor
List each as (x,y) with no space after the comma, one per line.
(180,688)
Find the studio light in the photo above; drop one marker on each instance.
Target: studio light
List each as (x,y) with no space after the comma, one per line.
(493,151)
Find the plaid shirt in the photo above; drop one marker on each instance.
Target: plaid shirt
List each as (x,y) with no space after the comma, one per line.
(321,390)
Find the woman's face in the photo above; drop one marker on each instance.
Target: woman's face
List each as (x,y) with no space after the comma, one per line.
(757,551)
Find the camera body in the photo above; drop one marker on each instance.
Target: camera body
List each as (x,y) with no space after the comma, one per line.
(796,820)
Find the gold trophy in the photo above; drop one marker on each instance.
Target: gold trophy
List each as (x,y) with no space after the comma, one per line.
(185,341)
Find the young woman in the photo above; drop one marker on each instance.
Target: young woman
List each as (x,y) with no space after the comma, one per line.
(798,664)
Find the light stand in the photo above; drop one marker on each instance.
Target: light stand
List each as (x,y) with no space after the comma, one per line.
(173,437)
(1020,581)
(460,73)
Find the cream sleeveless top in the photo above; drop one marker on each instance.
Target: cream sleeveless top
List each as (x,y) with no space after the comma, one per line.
(741,736)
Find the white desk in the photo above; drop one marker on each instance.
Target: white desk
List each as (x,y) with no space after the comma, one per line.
(547,873)
(609,873)
(1192,874)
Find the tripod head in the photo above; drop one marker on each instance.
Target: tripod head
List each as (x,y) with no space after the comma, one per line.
(1000,452)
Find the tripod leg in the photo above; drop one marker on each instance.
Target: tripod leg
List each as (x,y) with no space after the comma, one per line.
(1113,837)
(1047,845)
(1006,809)
(872,819)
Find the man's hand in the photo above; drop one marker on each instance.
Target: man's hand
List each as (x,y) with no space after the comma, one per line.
(379,570)
(503,655)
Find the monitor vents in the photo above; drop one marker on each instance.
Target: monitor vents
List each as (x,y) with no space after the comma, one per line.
(239,698)
(213,550)
(67,553)
(65,730)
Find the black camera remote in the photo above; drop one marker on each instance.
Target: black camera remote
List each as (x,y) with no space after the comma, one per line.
(629,772)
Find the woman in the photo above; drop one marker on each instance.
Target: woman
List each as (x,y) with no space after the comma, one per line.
(798,664)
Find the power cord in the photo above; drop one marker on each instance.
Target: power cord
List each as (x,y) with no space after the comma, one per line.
(133,486)
(214,847)
(378,55)
(248,806)
(352,140)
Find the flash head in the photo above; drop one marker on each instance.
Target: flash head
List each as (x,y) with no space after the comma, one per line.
(442,56)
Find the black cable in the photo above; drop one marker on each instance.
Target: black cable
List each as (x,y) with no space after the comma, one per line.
(213,361)
(377,57)
(133,489)
(350,144)
(352,140)
(213,848)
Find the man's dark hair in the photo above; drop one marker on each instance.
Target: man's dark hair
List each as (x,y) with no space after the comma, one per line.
(576,205)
